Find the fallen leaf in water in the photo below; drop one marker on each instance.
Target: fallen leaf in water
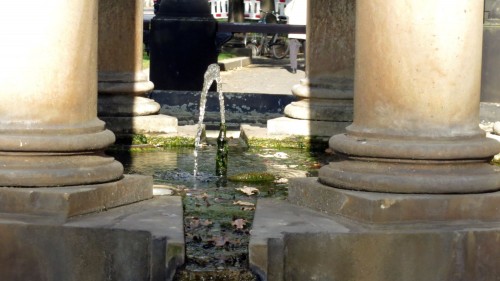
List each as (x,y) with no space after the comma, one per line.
(281,181)
(243,203)
(239,223)
(194,223)
(220,241)
(248,190)
(315,165)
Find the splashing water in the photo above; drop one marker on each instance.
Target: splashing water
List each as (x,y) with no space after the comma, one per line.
(211,75)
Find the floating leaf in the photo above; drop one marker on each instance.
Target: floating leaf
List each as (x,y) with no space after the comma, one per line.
(248,190)
(207,223)
(220,241)
(244,203)
(239,223)
(194,223)
(281,181)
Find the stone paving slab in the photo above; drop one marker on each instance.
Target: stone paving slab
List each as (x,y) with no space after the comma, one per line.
(234,63)
(263,76)
(142,241)
(295,243)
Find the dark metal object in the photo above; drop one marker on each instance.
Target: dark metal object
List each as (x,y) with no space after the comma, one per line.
(182,44)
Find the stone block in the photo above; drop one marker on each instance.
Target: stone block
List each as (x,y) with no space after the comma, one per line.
(388,208)
(234,63)
(290,126)
(296,243)
(160,124)
(142,241)
(61,203)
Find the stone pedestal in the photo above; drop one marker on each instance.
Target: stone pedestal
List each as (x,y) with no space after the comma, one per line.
(55,180)
(325,96)
(412,195)
(123,85)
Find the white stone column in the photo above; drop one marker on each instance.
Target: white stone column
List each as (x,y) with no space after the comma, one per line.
(123,85)
(416,102)
(325,97)
(49,131)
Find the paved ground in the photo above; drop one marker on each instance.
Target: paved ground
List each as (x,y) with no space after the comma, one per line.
(263,76)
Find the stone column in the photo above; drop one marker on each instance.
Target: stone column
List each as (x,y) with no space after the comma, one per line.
(412,195)
(123,85)
(416,113)
(325,96)
(490,86)
(49,131)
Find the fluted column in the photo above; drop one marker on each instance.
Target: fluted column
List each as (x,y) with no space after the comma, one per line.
(123,85)
(49,131)
(324,105)
(416,102)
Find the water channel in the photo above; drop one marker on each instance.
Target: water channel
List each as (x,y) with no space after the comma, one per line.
(217,216)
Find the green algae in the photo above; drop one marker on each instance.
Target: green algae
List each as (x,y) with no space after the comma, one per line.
(252,177)
(294,142)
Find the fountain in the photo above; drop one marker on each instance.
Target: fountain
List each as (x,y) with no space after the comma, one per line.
(212,75)
(217,220)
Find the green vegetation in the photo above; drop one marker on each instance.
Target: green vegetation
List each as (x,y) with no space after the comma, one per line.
(295,142)
(223,56)
(145,60)
(252,177)
(163,141)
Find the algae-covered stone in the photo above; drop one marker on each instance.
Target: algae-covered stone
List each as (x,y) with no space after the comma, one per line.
(252,177)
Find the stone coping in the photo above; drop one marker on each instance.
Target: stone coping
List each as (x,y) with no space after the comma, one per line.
(387,208)
(57,204)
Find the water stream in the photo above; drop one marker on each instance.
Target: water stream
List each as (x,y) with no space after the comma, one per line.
(211,75)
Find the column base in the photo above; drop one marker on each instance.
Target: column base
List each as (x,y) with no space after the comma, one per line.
(124,83)
(141,241)
(25,169)
(321,110)
(126,105)
(152,124)
(299,127)
(432,177)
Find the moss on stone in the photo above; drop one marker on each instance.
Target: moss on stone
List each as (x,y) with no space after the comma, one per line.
(141,142)
(295,142)
(252,177)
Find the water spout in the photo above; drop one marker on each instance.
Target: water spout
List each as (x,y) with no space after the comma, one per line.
(212,75)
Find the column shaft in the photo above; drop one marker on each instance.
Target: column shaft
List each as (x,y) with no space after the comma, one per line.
(416,102)
(326,94)
(49,131)
(123,84)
